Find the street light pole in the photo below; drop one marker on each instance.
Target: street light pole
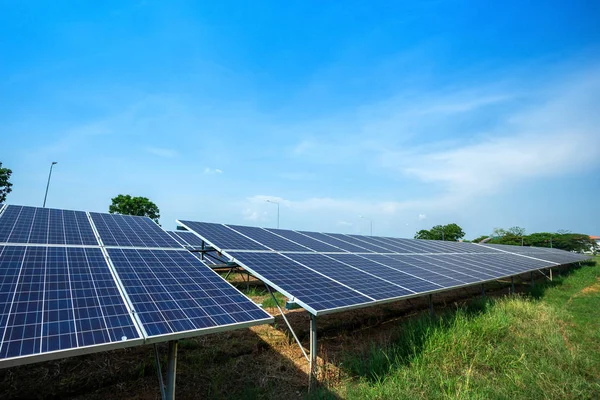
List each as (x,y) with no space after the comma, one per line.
(48,184)
(370,223)
(274,202)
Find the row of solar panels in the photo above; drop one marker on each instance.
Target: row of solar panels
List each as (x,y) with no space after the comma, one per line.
(327,272)
(73,282)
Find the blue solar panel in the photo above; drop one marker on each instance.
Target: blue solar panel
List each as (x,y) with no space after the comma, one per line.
(378,268)
(20,224)
(187,238)
(548,254)
(306,241)
(174,293)
(363,242)
(131,231)
(222,237)
(340,244)
(316,291)
(268,239)
(375,287)
(59,299)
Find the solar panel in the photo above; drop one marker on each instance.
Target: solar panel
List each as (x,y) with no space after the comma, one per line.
(187,238)
(226,237)
(20,224)
(548,254)
(131,231)
(59,299)
(61,294)
(314,291)
(327,272)
(174,294)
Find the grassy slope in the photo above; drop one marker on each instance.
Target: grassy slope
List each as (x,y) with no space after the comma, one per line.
(543,346)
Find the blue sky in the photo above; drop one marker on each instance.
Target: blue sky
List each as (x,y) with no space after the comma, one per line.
(411,114)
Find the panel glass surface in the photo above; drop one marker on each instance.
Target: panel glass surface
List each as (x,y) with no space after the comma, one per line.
(313,289)
(268,239)
(223,237)
(20,224)
(173,292)
(340,244)
(188,238)
(57,298)
(131,231)
(306,241)
(361,281)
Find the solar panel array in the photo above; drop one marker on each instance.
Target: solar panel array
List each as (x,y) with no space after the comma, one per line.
(191,241)
(328,272)
(73,282)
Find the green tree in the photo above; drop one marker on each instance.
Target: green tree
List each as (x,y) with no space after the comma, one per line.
(479,239)
(141,206)
(451,232)
(5,185)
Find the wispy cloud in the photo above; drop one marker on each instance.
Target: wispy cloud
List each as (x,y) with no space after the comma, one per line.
(161,152)
(212,171)
(556,136)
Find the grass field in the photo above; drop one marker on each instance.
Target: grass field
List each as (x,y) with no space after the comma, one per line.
(543,343)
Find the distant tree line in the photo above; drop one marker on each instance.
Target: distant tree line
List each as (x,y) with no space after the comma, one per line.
(450,232)
(562,239)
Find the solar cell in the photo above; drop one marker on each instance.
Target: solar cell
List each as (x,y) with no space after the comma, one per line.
(363,282)
(332,241)
(20,224)
(175,295)
(187,238)
(362,242)
(304,240)
(314,291)
(222,237)
(269,239)
(131,231)
(543,253)
(377,268)
(56,299)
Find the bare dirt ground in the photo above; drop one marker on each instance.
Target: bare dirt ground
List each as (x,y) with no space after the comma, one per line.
(259,362)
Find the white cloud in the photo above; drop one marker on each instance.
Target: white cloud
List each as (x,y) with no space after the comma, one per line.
(162,152)
(422,217)
(212,171)
(558,136)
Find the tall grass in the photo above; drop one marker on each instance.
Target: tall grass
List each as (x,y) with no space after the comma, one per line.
(513,347)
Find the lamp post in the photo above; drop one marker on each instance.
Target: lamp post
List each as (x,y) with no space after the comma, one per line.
(48,184)
(275,202)
(370,223)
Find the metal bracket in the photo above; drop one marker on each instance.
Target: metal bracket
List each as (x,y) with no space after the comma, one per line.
(287,323)
(167,392)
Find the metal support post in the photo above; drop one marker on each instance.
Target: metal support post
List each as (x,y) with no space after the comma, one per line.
(430,306)
(171,371)
(532,281)
(512,285)
(312,377)
(159,372)
(287,323)
(550,274)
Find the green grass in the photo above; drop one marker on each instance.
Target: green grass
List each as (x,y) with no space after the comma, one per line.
(545,345)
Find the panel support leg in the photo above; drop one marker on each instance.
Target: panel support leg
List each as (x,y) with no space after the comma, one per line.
(159,372)
(550,274)
(287,323)
(312,377)
(512,285)
(171,371)
(430,306)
